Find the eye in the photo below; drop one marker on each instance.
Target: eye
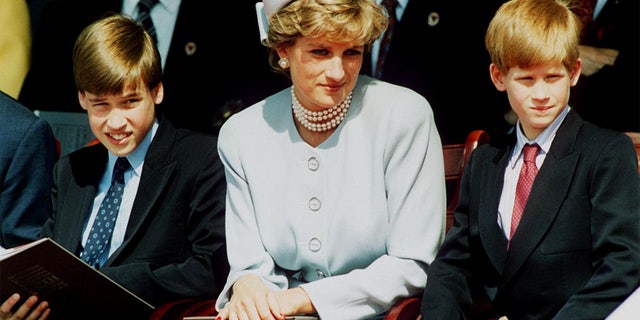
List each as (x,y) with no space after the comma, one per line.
(353,52)
(524,79)
(132,102)
(99,104)
(554,77)
(320,52)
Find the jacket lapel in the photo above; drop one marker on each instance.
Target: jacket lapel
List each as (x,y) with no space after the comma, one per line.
(492,237)
(77,207)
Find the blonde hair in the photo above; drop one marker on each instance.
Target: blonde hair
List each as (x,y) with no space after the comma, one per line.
(529,33)
(114,53)
(336,20)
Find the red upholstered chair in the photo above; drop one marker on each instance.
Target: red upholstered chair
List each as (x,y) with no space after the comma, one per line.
(176,310)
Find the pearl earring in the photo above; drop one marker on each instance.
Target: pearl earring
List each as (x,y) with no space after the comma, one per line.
(283,63)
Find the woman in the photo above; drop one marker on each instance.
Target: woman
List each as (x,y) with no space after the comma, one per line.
(336,193)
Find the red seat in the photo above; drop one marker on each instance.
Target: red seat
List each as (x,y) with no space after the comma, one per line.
(189,307)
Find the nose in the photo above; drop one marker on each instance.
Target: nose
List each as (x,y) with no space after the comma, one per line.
(117,119)
(335,69)
(540,90)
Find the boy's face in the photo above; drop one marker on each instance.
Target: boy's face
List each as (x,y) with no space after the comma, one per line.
(538,94)
(121,121)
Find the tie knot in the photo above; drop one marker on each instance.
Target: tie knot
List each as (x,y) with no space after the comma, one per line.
(122,164)
(530,152)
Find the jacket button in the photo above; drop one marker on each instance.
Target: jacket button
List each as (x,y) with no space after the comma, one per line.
(313,164)
(314,204)
(315,245)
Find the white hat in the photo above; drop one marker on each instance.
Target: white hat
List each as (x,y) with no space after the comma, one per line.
(264,10)
(272,6)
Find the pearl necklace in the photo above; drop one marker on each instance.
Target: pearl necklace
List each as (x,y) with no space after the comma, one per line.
(320,121)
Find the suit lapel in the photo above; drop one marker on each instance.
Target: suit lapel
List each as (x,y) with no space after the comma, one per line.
(81,194)
(492,237)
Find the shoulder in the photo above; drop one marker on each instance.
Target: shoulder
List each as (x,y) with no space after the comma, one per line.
(378,90)
(268,114)
(14,117)
(587,136)
(596,140)
(391,103)
(183,143)
(82,164)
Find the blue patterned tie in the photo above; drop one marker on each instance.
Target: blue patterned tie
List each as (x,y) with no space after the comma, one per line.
(144,16)
(99,239)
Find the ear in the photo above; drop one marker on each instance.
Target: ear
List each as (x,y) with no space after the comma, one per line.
(82,99)
(575,73)
(158,93)
(497,77)
(282,52)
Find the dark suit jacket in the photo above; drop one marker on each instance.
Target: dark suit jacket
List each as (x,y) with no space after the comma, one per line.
(27,155)
(576,252)
(609,97)
(213,66)
(174,245)
(438,48)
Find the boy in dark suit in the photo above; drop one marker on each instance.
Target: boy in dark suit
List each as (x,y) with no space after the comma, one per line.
(168,242)
(574,253)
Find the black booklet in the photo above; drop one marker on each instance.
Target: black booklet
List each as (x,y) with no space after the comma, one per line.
(73,289)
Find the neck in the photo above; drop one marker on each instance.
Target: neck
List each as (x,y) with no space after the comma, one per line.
(319,121)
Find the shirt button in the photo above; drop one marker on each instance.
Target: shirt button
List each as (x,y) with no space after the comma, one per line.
(314,204)
(315,245)
(320,274)
(313,164)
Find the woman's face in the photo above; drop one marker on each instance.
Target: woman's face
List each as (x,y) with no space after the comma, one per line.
(323,72)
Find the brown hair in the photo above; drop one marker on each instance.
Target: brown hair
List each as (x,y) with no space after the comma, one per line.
(113,53)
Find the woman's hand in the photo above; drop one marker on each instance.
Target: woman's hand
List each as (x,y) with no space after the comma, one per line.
(39,313)
(252,299)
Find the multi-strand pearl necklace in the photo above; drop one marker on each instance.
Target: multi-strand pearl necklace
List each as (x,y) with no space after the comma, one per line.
(320,121)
